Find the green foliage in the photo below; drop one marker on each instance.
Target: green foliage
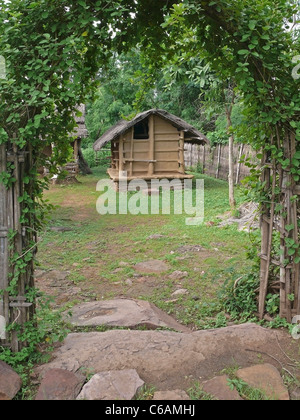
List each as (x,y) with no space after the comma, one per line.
(239,296)
(45,329)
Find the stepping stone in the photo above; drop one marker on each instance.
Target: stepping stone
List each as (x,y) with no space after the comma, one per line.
(10,382)
(164,358)
(220,389)
(155,236)
(129,313)
(176,395)
(152,266)
(179,275)
(180,292)
(112,385)
(59,385)
(266,378)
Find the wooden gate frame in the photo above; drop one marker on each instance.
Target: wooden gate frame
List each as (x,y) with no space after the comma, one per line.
(280,179)
(13,306)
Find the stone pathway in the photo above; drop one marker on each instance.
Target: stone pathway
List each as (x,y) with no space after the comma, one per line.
(169,361)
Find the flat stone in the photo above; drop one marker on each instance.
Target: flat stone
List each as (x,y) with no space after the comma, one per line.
(59,385)
(219,388)
(129,313)
(175,395)
(178,275)
(152,266)
(266,378)
(155,236)
(180,292)
(164,358)
(10,382)
(112,385)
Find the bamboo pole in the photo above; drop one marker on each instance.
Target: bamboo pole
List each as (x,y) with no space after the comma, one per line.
(151,145)
(181,153)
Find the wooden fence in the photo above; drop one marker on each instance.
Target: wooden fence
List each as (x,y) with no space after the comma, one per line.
(215,162)
(15,237)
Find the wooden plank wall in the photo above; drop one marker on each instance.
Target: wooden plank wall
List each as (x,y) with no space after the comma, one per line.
(214,161)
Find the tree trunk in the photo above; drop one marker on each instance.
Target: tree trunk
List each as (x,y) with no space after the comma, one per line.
(83,165)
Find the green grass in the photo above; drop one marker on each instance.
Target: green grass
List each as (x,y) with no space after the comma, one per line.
(94,248)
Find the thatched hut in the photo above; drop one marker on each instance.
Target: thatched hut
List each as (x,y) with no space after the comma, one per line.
(151,146)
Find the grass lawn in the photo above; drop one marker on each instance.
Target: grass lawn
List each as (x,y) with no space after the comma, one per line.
(99,253)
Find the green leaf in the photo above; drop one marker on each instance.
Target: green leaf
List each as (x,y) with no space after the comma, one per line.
(252,24)
(243,52)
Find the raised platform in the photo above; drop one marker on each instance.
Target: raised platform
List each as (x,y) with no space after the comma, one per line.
(115,175)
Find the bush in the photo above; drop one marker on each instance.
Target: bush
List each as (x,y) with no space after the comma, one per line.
(90,156)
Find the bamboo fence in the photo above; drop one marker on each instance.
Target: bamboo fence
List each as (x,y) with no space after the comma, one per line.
(14,239)
(215,161)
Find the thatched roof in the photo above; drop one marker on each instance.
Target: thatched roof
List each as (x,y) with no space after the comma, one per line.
(193,135)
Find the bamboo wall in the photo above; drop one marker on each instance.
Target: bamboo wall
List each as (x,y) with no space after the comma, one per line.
(215,161)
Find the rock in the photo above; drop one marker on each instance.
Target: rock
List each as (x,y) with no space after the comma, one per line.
(266,378)
(178,275)
(59,385)
(112,385)
(128,282)
(190,248)
(152,266)
(219,388)
(10,382)
(295,394)
(176,395)
(164,358)
(156,236)
(129,313)
(180,292)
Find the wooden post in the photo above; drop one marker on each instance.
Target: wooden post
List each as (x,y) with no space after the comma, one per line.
(239,164)
(151,145)
(131,152)
(219,161)
(265,232)
(121,154)
(4,302)
(181,153)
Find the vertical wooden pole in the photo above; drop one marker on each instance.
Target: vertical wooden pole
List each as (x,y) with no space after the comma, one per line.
(121,154)
(265,232)
(4,256)
(219,161)
(181,153)
(239,164)
(151,145)
(131,152)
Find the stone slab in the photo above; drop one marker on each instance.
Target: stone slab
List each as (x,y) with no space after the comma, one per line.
(174,395)
(129,313)
(59,385)
(152,266)
(10,382)
(219,388)
(266,378)
(164,358)
(112,385)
